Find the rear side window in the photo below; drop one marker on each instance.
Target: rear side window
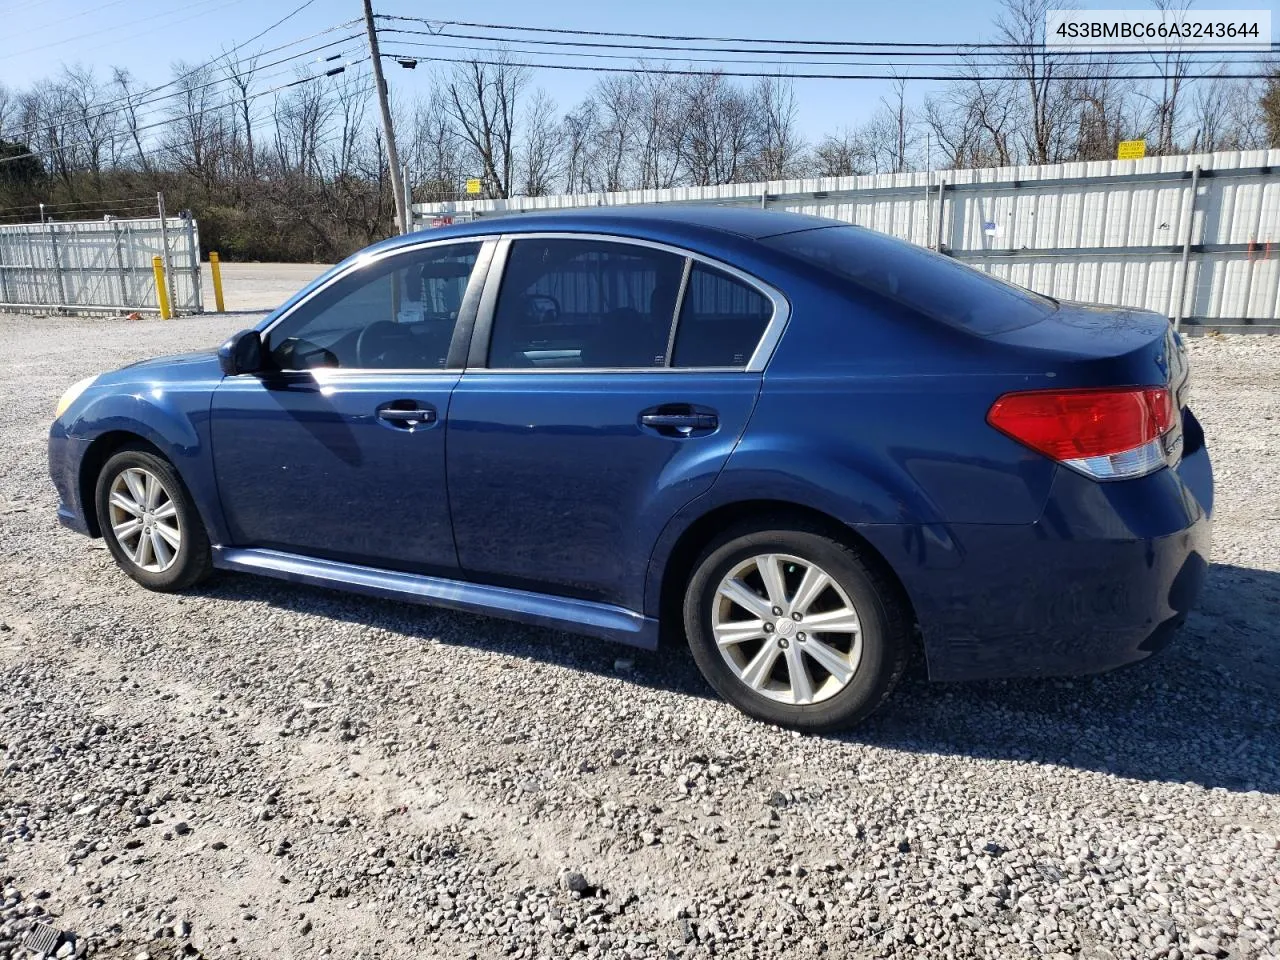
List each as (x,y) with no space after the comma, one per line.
(921,280)
(584,303)
(721,320)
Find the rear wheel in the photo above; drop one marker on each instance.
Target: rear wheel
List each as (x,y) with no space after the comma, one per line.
(794,628)
(150,524)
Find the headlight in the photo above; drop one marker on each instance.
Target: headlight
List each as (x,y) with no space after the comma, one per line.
(69,397)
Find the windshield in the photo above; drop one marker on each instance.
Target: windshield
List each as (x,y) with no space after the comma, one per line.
(919,279)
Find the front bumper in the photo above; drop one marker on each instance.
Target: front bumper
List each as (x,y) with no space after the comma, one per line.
(1103,579)
(65,457)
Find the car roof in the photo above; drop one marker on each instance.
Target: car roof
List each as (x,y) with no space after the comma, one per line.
(676,221)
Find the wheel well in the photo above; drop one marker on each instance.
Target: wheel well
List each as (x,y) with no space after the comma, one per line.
(99,452)
(694,540)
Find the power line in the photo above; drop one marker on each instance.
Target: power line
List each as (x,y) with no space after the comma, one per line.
(130,104)
(204,4)
(726,60)
(791,75)
(894,49)
(62,148)
(692,38)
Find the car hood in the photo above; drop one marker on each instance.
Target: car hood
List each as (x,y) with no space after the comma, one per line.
(200,365)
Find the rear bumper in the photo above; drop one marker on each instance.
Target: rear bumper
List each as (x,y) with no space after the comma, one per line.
(1103,579)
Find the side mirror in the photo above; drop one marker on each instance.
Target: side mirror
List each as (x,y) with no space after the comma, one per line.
(241,354)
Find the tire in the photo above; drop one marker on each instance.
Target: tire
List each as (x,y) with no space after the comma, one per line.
(167,566)
(870,655)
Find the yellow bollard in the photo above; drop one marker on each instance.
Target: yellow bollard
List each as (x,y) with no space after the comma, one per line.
(162,292)
(215,269)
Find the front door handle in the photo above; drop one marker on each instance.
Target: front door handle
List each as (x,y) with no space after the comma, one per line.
(679,420)
(407,416)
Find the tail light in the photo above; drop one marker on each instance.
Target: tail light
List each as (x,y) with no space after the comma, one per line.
(1107,434)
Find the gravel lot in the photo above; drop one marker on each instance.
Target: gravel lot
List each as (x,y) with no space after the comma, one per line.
(257,769)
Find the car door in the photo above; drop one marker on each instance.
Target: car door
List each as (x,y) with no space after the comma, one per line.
(585,419)
(338,450)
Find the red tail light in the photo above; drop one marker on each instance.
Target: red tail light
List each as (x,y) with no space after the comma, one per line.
(1107,433)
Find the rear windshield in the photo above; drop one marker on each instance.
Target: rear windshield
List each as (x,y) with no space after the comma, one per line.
(919,279)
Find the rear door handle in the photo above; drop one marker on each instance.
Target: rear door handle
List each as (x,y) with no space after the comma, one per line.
(680,421)
(407,417)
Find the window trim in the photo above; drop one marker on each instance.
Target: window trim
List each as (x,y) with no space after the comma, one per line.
(478,356)
(462,328)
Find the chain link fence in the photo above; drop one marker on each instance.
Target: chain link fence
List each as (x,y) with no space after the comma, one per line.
(99,265)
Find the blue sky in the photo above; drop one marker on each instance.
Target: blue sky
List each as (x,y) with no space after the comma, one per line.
(147,35)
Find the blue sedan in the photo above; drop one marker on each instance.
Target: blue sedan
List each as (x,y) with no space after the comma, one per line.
(805,447)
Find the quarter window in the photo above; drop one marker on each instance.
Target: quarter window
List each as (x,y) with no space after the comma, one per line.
(721,320)
(396,313)
(584,303)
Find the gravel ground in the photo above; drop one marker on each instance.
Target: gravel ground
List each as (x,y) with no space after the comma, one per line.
(258,287)
(256,769)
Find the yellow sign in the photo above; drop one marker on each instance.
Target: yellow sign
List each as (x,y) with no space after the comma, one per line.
(1131,150)
(473,185)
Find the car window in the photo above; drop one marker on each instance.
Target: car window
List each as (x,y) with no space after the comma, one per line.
(396,313)
(921,280)
(721,320)
(584,303)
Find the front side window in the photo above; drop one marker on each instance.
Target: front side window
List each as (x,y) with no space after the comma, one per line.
(396,313)
(568,303)
(721,320)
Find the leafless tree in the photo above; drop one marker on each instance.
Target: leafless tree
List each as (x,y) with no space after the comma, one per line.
(483,100)
(302,115)
(540,153)
(196,124)
(615,102)
(659,141)
(8,106)
(722,129)
(435,151)
(780,144)
(241,73)
(841,154)
(130,99)
(1173,63)
(1042,89)
(578,132)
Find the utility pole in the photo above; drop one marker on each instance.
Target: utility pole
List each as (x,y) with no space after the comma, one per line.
(388,132)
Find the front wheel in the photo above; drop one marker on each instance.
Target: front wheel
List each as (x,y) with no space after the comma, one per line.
(794,628)
(150,523)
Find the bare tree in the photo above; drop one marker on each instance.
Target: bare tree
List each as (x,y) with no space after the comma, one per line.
(435,152)
(241,73)
(842,154)
(483,99)
(901,120)
(540,154)
(578,131)
(722,129)
(8,107)
(1269,107)
(1042,88)
(780,143)
(195,127)
(659,141)
(1173,63)
(615,99)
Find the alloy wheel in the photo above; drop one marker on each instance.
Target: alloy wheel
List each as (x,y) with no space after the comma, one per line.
(787,629)
(144,519)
